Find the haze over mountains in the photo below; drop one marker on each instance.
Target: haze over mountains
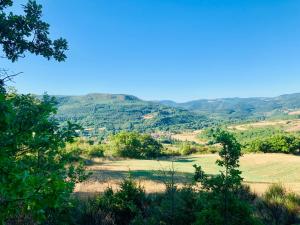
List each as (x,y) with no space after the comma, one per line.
(115,112)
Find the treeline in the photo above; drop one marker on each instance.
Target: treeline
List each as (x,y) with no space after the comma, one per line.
(135,145)
(267,140)
(123,144)
(283,143)
(143,146)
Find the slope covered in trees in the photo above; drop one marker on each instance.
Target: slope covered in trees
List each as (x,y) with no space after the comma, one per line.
(116,112)
(242,108)
(125,112)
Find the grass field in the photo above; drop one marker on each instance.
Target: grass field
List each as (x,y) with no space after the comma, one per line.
(292,125)
(189,136)
(259,171)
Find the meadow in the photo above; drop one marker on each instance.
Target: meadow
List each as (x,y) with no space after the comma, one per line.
(290,125)
(259,171)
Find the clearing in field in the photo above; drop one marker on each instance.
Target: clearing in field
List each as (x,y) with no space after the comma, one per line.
(189,136)
(259,171)
(297,112)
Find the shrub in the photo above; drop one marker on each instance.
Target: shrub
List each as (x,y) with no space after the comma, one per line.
(177,206)
(96,151)
(88,212)
(84,148)
(278,206)
(187,149)
(121,207)
(284,143)
(74,152)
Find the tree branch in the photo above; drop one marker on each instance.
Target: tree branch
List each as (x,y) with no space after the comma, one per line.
(5,76)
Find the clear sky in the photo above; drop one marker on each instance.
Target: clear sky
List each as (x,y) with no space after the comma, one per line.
(169,49)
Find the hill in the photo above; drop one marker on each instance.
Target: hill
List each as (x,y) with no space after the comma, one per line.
(242,108)
(113,112)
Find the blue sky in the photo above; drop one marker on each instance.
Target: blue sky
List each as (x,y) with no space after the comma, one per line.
(169,49)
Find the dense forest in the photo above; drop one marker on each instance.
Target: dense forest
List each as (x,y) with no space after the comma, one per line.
(237,109)
(124,112)
(116,112)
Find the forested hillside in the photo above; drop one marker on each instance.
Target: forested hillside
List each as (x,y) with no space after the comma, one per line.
(125,112)
(242,108)
(115,112)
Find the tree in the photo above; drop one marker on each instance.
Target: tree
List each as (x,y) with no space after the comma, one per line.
(134,145)
(36,176)
(35,173)
(28,33)
(151,148)
(220,202)
(282,142)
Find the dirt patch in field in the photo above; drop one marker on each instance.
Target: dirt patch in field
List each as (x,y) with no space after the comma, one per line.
(294,127)
(189,136)
(149,116)
(294,112)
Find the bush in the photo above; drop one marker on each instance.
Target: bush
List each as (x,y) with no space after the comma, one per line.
(187,149)
(122,207)
(279,206)
(84,148)
(175,206)
(96,151)
(284,143)
(88,212)
(187,206)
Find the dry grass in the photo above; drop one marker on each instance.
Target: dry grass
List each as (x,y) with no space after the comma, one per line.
(149,116)
(189,136)
(260,124)
(297,112)
(287,125)
(259,171)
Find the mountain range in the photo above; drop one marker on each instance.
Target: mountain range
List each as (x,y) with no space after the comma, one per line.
(241,108)
(114,112)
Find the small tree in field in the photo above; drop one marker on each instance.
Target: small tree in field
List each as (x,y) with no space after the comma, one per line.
(220,202)
(134,145)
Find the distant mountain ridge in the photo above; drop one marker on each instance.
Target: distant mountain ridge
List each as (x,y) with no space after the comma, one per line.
(239,108)
(115,112)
